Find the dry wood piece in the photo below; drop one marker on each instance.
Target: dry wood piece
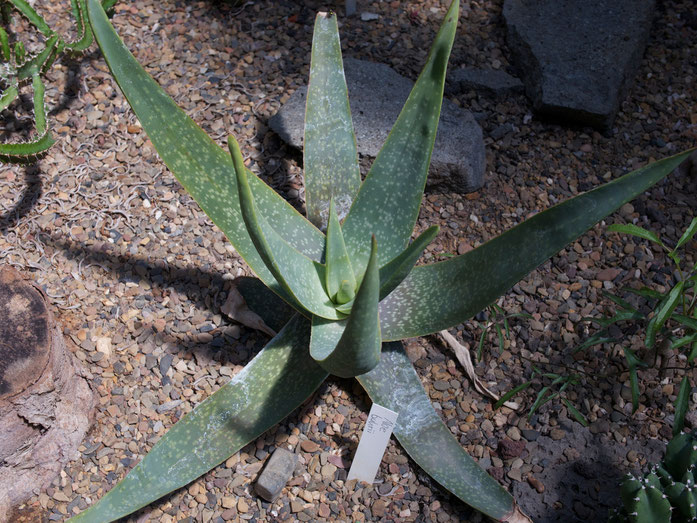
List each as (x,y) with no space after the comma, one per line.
(46,403)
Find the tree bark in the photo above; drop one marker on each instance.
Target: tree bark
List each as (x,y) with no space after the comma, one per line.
(46,403)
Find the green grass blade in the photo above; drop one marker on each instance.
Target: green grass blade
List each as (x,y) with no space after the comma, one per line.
(358,349)
(35,18)
(438,296)
(575,413)
(633,362)
(388,202)
(681,404)
(634,230)
(419,429)
(515,390)
(688,234)
(301,279)
(664,312)
(330,156)
(337,260)
(270,387)
(685,340)
(394,271)
(200,165)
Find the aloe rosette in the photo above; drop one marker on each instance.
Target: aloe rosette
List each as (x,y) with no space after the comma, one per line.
(355,288)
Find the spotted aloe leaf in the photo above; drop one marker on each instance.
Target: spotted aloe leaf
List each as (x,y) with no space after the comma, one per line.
(269,388)
(357,349)
(301,279)
(330,157)
(341,283)
(200,165)
(388,202)
(394,384)
(437,296)
(394,271)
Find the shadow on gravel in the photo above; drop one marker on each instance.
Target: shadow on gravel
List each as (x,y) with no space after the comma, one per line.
(33,189)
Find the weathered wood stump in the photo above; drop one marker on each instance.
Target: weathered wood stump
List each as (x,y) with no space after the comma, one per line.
(46,403)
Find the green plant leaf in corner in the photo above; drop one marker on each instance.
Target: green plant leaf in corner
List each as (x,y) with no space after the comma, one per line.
(269,388)
(688,234)
(330,156)
(301,278)
(357,351)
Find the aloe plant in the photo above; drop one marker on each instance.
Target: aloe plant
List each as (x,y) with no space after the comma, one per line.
(355,289)
(18,68)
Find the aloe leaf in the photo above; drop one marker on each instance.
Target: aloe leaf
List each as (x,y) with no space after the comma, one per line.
(663,313)
(20,52)
(388,202)
(688,234)
(681,404)
(301,279)
(358,349)
(269,388)
(200,165)
(394,271)
(437,296)
(9,95)
(330,157)
(419,429)
(337,261)
(35,18)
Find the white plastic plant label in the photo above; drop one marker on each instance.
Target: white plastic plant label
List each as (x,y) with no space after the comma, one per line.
(373,442)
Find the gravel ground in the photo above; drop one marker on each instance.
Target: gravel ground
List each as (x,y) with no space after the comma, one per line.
(137,273)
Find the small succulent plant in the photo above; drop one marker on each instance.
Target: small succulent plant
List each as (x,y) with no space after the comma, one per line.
(355,289)
(667,493)
(18,67)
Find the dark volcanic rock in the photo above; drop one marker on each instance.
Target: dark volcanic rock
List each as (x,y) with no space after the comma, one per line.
(577,58)
(490,81)
(377,94)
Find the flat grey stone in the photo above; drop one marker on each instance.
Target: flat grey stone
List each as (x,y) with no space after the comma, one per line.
(276,474)
(377,94)
(489,81)
(577,58)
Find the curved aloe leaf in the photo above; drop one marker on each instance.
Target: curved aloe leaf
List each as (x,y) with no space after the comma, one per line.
(5,46)
(330,157)
(199,164)
(358,349)
(388,202)
(339,272)
(269,388)
(395,385)
(394,272)
(437,296)
(300,278)
(42,61)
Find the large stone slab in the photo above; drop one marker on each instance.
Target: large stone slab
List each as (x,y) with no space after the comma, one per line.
(578,57)
(489,81)
(377,94)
